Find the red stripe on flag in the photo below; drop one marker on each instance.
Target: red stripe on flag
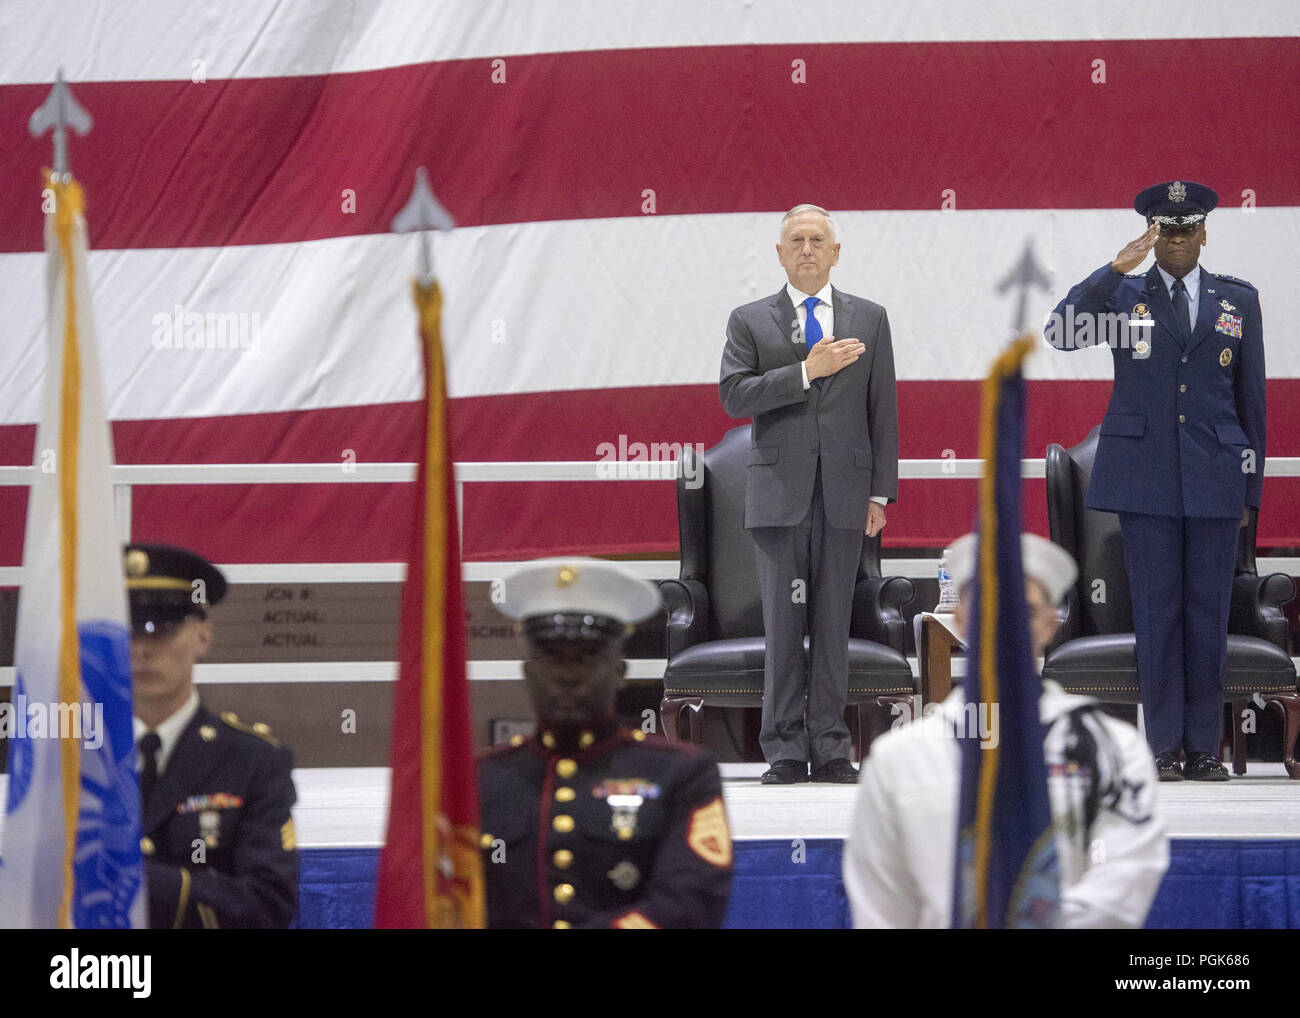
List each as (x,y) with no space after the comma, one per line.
(708,129)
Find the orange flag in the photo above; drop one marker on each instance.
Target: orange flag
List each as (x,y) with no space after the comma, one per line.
(430,873)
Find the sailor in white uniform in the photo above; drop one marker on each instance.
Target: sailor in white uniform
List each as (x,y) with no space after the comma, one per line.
(1111,840)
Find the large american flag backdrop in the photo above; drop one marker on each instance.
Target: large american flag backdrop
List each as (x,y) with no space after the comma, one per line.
(617,170)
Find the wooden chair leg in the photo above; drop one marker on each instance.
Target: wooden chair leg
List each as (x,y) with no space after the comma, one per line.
(696,706)
(853,719)
(885,706)
(1289,706)
(670,716)
(1238,737)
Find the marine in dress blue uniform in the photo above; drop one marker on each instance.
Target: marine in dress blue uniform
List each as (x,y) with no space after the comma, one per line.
(590,824)
(1180,458)
(217,830)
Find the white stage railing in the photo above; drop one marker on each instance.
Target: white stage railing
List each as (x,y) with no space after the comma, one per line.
(125,477)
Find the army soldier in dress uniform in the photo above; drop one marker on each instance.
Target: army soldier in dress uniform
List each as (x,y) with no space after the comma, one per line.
(590,824)
(1180,459)
(218,837)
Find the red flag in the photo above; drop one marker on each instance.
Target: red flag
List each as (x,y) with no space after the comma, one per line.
(430,873)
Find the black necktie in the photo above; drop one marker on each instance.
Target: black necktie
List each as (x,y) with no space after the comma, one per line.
(1181,310)
(149,745)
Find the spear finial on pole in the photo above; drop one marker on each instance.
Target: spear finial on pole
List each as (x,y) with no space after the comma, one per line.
(59,112)
(1026,273)
(423,213)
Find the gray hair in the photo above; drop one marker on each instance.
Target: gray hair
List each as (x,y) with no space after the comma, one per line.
(809,208)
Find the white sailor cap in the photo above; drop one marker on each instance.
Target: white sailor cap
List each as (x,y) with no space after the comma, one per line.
(1048,563)
(577,598)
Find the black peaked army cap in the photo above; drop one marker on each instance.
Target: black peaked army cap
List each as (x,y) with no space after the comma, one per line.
(160,582)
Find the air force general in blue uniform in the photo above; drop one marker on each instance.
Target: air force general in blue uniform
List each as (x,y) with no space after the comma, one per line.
(1180,459)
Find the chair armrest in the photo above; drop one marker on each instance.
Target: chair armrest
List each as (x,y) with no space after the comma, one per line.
(878,603)
(688,612)
(1257,603)
(1068,615)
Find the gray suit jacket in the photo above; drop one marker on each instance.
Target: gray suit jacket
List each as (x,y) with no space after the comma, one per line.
(850,420)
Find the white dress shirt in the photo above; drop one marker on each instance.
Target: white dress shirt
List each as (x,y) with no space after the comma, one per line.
(824,312)
(169,732)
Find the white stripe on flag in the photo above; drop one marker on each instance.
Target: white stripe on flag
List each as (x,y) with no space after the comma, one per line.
(581,304)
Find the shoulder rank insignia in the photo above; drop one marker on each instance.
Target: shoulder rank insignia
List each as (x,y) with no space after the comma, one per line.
(259,729)
(1234,279)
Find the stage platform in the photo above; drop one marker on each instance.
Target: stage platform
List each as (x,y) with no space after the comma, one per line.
(1235,853)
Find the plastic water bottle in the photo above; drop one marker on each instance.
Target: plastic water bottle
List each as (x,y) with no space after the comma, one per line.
(947,589)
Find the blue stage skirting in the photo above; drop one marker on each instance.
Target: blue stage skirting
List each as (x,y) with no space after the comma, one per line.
(1211,884)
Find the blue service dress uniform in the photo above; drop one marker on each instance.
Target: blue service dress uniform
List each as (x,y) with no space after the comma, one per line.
(1179,456)
(219,843)
(617,831)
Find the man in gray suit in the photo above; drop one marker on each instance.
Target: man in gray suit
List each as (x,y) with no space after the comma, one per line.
(823,466)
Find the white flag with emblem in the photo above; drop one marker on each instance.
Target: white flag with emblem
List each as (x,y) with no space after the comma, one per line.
(70,855)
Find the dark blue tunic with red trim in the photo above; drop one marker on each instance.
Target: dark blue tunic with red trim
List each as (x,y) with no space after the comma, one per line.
(617,830)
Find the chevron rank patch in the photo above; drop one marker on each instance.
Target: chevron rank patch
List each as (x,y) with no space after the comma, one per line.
(708,835)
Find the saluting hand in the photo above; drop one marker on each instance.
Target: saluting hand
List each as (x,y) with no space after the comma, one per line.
(1133,253)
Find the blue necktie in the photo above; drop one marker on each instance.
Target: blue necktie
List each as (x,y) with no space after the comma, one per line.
(1182,310)
(812,330)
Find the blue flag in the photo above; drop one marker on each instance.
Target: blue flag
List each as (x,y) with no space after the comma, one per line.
(1007,874)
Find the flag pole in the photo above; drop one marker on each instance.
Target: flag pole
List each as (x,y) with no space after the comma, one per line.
(72,857)
(431,873)
(423,213)
(59,112)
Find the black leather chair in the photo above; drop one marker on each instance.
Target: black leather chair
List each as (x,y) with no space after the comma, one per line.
(1094,652)
(715,615)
